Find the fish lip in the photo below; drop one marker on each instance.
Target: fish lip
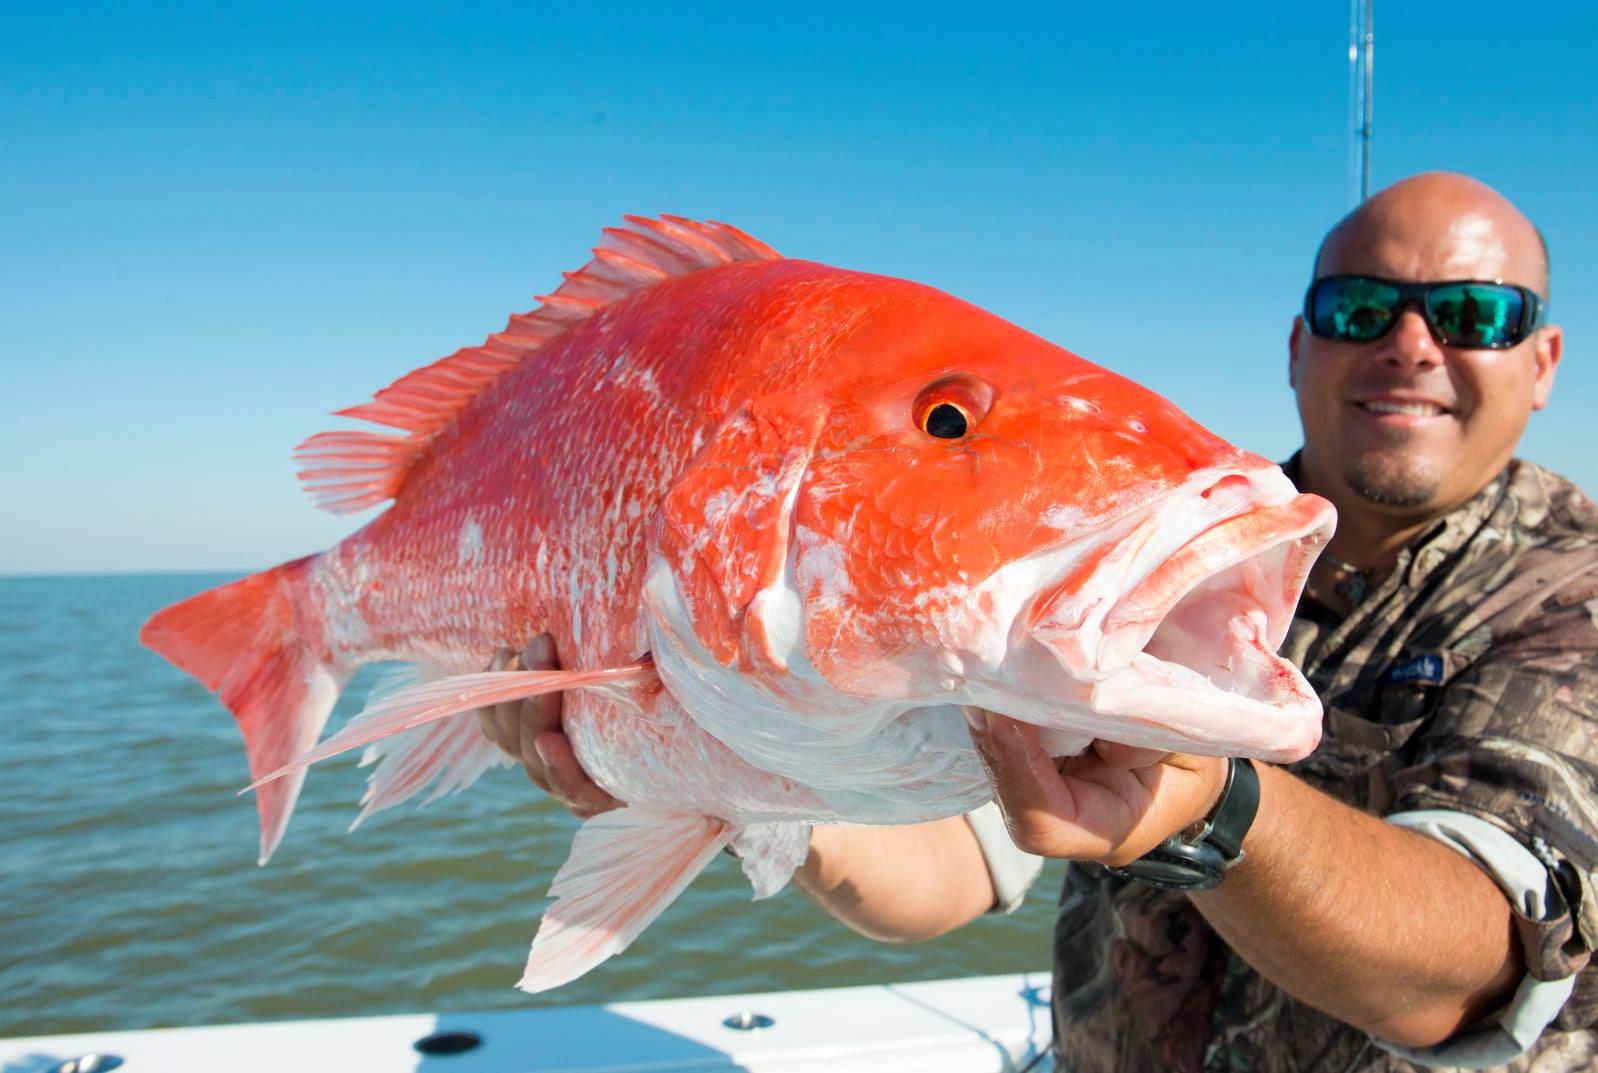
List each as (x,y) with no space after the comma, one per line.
(1119,672)
(1305,522)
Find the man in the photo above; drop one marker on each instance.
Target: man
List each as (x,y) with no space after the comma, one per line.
(1420,890)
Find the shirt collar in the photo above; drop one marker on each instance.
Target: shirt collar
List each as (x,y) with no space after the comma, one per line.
(1418,559)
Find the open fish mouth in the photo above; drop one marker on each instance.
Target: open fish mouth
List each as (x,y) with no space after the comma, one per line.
(1185,658)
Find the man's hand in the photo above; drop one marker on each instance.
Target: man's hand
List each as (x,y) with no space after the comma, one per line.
(530,732)
(1112,804)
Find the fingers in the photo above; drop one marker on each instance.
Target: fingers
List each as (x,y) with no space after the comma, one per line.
(514,724)
(496,721)
(568,783)
(529,731)
(526,719)
(1113,803)
(1037,798)
(527,734)
(539,655)
(1127,756)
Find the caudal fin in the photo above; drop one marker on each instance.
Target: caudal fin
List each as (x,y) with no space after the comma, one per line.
(625,867)
(240,640)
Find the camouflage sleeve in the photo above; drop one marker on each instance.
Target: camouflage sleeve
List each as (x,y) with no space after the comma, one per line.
(1511,1030)
(1514,741)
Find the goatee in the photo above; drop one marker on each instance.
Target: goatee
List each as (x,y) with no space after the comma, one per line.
(1404,481)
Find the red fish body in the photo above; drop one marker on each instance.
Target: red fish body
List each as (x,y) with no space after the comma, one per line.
(782,520)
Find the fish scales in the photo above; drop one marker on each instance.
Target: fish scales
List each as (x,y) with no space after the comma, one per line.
(570,419)
(783,521)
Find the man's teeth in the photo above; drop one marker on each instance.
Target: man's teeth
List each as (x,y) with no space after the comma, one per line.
(1415,409)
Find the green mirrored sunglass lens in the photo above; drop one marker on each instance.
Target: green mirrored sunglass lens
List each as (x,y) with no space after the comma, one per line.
(1476,315)
(1354,308)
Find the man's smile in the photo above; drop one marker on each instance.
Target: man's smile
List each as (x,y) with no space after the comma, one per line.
(1401,411)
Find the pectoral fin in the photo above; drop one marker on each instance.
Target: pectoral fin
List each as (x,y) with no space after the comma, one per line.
(451,696)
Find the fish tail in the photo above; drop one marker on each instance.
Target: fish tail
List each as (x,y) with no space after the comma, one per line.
(626,866)
(241,641)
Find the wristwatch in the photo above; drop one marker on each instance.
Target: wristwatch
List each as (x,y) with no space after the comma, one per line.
(1197,858)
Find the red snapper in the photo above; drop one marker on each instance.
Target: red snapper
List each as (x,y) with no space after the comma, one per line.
(784,521)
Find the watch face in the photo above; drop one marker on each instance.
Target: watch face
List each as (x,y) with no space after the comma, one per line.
(1176,865)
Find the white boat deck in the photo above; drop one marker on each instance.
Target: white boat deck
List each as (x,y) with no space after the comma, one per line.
(993,1024)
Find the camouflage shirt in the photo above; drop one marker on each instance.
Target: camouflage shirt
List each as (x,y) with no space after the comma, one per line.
(1466,680)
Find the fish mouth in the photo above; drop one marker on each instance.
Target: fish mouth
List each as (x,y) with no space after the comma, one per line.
(1185,659)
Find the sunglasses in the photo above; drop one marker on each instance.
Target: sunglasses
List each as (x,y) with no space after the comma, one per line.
(1479,314)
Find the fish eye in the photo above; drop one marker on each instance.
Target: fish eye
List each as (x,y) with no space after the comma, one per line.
(946,421)
(949,408)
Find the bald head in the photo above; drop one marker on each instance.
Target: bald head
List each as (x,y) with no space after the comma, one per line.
(1437,219)
(1403,427)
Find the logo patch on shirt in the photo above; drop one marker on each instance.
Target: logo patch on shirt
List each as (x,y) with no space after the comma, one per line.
(1424,670)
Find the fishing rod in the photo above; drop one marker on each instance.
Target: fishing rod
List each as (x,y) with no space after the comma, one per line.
(1361,81)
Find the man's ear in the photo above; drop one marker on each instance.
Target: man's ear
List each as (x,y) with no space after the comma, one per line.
(1294,337)
(1548,348)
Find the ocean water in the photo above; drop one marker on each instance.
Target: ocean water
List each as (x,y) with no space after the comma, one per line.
(131,897)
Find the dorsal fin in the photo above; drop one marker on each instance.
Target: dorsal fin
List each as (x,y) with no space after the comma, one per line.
(350,470)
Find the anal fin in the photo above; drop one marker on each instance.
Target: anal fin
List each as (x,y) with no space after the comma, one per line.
(625,867)
(448,754)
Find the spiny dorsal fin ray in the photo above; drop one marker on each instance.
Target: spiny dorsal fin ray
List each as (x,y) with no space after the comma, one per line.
(349,471)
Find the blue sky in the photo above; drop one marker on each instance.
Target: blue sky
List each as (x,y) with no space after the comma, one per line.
(220,222)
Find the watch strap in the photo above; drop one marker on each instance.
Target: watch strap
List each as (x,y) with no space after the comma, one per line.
(1234,813)
(1197,859)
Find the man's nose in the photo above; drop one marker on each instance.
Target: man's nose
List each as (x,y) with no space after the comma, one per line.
(1410,342)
